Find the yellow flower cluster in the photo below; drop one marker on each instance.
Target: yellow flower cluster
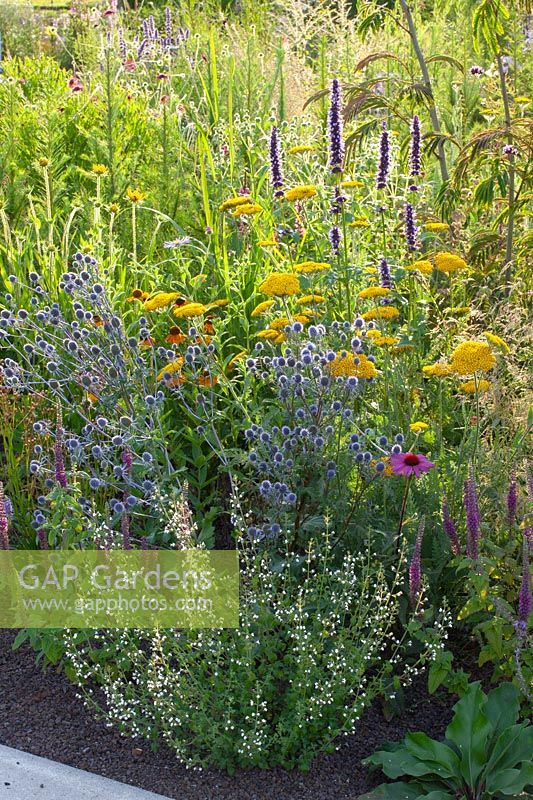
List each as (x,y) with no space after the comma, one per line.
(160,300)
(497,341)
(233,202)
(383,341)
(280,284)
(436,227)
(360,222)
(262,308)
(246,209)
(345,366)
(383,312)
(300,148)
(310,298)
(418,427)
(304,192)
(373,291)
(135,195)
(471,357)
(267,243)
(469,387)
(438,370)
(448,262)
(189,310)
(171,369)
(425,267)
(99,169)
(311,266)
(351,184)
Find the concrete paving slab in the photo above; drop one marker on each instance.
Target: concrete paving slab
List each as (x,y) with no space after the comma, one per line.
(24,776)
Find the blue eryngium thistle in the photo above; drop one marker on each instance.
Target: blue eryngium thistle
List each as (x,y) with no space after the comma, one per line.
(415,568)
(449,528)
(415,159)
(473,518)
(384,158)
(411,229)
(336,143)
(335,239)
(276,175)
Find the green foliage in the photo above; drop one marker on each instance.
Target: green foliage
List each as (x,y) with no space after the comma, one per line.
(486,753)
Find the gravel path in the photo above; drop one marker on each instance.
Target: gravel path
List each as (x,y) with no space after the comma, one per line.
(39,713)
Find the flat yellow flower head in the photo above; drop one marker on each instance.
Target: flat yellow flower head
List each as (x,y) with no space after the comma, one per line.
(135,195)
(469,387)
(437,227)
(448,262)
(497,341)
(418,427)
(310,299)
(471,357)
(170,369)
(424,267)
(189,310)
(267,334)
(233,202)
(262,308)
(347,365)
(351,184)
(312,266)
(267,243)
(304,192)
(374,291)
(247,209)
(384,341)
(160,300)
(438,370)
(99,169)
(359,222)
(382,312)
(300,148)
(279,323)
(280,284)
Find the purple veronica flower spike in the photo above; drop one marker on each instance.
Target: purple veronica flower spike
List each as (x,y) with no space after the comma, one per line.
(525,600)
(449,528)
(411,229)
(4,522)
(384,158)
(335,239)
(336,143)
(276,175)
(512,500)
(415,157)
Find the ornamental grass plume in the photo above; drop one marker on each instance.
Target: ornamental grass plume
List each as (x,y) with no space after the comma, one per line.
(336,143)
(473,518)
(276,175)
(4,521)
(415,567)
(450,529)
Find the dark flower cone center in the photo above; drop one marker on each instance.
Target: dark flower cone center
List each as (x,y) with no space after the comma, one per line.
(411,460)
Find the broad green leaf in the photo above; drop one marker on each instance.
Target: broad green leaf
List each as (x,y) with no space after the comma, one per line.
(513,746)
(469,731)
(502,707)
(510,781)
(393,791)
(399,762)
(443,761)
(437,795)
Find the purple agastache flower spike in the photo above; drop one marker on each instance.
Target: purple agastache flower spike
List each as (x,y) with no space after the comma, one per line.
(168,22)
(384,158)
(411,229)
(125,529)
(415,569)
(385,278)
(335,239)
(473,518)
(276,175)
(4,522)
(449,528)
(337,203)
(336,143)
(59,462)
(512,500)
(127,460)
(122,45)
(144,543)
(43,541)
(525,600)
(415,159)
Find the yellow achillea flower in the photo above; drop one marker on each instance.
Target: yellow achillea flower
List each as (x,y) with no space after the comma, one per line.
(262,308)
(312,266)
(418,427)
(469,387)
(280,338)
(99,169)
(190,310)
(382,341)
(280,284)
(359,222)
(304,192)
(237,357)
(279,323)
(171,369)
(522,100)
(457,310)
(310,298)
(300,148)
(160,300)
(345,366)
(351,184)
(370,270)
(267,243)
(496,340)
(246,209)
(374,291)
(373,333)
(383,312)
(436,227)
(233,202)
(135,195)
(448,262)
(438,370)
(425,267)
(403,348)
(219,303)
(470,357)
(267,334)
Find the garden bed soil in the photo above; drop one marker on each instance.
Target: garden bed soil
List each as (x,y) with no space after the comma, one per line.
(40,713)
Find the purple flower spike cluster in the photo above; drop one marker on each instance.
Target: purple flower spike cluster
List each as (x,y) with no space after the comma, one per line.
(59,461)
(473,518)
(385,278)
(415,156)
(335,240)
(415,568)
(449,529)
(338,200)
(276,175)
(512,500)
(411,228)
(525,600)
(384,158)
(336,143)
(4,522)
